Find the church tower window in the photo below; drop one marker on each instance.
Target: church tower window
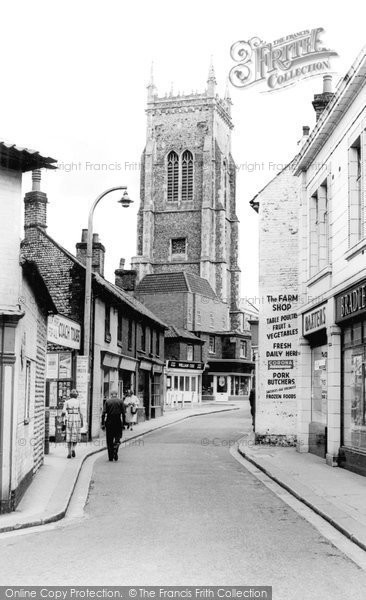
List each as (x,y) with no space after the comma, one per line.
(173,176)
(187,176)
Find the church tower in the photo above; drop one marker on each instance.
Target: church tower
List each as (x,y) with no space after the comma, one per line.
(187,217)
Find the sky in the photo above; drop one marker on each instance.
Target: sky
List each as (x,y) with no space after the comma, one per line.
(74,77)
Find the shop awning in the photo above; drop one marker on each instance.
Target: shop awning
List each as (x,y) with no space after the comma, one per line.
(128,364)
(110,360)
(145,365)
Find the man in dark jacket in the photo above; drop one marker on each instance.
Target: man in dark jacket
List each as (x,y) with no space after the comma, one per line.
(112,419)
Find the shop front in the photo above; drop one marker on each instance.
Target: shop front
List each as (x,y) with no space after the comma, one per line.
(183,382)
(150,390)
(228,380)
(315,332)
(351,318)
(62,372)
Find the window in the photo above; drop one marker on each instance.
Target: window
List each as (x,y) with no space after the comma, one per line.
(187,176)
(27,394)
(173,177)
(211,344)
(198,317)
(129,335)
(239,385)
(243,349)
(119,327)
(157,344)
(151,340)
(189,352)
(211,320)
(143,338)
(179,247)
(355,205)
(224,165)
(319,230)
(107,323)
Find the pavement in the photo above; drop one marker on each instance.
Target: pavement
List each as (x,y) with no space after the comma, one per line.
(48,496)
(337,495)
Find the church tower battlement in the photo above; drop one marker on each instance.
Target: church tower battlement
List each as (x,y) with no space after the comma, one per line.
(187,217)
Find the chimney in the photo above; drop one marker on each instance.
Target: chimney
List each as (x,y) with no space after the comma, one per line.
(305,135)
(322,100)
(125,278)
(98,252)
(35,205)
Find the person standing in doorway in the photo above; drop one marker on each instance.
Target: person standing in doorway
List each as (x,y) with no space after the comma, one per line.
(73,422)
(112,420)
(132,404)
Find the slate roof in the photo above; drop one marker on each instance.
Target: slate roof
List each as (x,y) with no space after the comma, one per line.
(163,283)
(23,159)
(178,332)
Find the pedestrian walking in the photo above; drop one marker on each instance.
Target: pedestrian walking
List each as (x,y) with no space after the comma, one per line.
(112,421)
(73,421)
(252,405)
(132,404)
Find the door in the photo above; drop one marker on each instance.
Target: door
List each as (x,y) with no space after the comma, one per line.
(221,388)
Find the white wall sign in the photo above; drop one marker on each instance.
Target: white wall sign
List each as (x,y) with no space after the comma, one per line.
(82,387)
(63,331)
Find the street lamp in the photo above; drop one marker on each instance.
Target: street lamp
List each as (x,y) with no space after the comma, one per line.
(125,201)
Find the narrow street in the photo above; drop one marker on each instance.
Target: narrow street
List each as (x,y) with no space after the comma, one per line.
(179,509)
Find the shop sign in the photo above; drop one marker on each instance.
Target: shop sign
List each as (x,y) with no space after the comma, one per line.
(63,331)
(351,303)
(82,378)
(174,364)
(280,364)
(314,320)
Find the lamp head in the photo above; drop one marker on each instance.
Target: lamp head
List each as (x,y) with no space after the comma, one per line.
(125,200)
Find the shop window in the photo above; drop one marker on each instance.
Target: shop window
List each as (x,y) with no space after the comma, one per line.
(189,352)
(129,335)
(119,327)
(355,205)
(239,385)
(176,382)
(107,323)
(155,391)
(243,349)
(207,385)
(193,386)
(143,338)
(211,344)
(186,386)
(354,401)
(181,383)
(27,395)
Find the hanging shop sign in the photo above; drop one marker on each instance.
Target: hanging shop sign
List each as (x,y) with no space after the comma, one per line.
(314,320)
(63,331)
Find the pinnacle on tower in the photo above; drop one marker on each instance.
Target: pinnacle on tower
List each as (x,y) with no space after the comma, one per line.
(211,81)
(151,89)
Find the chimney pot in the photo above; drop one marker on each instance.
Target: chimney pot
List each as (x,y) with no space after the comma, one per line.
(305,130)
(122,263)
(327,84)
(36,180)
(84,236)
(95,238)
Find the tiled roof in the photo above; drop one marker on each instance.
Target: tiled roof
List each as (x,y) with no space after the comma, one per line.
(178,332)
(23,159)
(163,283)
(130,300)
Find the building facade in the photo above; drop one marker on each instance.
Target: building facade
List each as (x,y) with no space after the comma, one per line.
(187,218)
(127,341)
(24,307)
(332,175)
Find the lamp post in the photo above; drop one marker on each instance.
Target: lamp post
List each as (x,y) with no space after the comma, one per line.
(125,201)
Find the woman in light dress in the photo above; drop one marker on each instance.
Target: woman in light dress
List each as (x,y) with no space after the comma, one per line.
(73,421)
(131,403)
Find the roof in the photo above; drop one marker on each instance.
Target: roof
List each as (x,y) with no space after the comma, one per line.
(178,332)
(112,289)
(347,90)
(180,281)
(23,159)
(128,299)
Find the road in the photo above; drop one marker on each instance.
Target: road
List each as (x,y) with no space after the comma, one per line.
(178,509)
